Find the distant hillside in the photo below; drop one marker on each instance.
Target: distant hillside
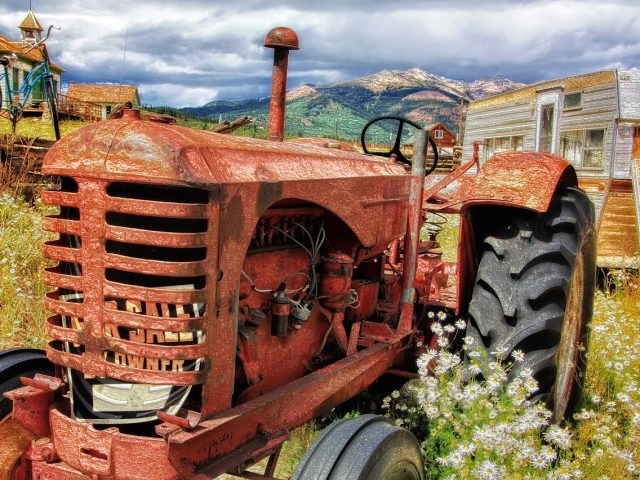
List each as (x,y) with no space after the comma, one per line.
(341,109)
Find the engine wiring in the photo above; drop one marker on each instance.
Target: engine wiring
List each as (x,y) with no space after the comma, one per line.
(313,252)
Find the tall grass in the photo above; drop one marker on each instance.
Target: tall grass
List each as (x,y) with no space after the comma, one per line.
(22,288)
(35,127)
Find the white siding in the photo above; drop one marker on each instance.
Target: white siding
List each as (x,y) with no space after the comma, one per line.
(517,118)
(623,149)
(629,81)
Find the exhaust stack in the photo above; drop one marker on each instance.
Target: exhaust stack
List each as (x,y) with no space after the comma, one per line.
(281,39)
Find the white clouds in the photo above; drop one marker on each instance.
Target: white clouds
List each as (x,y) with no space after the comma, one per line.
(213,48)
(173,94)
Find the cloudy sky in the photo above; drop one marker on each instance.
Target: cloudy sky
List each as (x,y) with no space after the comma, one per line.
(189,52)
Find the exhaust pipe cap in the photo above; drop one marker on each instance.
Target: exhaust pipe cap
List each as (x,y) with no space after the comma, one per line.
(282,37)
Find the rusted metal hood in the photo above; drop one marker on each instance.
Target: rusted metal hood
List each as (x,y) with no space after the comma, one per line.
(136,150)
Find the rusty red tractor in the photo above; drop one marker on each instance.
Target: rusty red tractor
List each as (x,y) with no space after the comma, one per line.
(212,293)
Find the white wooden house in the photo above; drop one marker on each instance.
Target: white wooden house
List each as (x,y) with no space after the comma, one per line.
(593,121)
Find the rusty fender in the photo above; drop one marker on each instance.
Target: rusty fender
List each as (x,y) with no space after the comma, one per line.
(520,179)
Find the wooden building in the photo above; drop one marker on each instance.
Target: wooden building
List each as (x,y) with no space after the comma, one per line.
(107,96)
(591,120)
(25,61)
(442,136)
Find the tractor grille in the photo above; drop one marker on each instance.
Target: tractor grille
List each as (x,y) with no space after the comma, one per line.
(130,299)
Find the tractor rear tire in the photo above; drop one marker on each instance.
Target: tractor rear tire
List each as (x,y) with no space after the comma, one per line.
(364,448)
(534,293)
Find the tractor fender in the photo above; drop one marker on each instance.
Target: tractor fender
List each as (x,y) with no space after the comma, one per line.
(512,179)
(520,179)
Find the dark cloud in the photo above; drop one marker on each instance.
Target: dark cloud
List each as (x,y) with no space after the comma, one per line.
(192,51)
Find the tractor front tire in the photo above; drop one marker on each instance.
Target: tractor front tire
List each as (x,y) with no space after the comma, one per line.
(363,448)
(534,293)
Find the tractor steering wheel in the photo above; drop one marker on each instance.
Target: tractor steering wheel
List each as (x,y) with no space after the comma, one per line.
(395,149)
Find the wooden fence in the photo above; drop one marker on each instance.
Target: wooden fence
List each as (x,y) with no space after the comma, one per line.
(90,112)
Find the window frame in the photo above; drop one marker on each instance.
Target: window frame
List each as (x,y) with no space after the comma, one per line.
(438,134)
(548,139)
(564,101)
(492,141)
(582,138)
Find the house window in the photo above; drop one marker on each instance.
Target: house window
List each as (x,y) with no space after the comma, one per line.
(573,101)
(583,148)
(594,149)
(546,129)
(439,134)
(107,110)
(571,145)
(15,75)
(492,146)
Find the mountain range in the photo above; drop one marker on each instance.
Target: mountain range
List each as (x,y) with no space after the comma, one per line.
(341,109)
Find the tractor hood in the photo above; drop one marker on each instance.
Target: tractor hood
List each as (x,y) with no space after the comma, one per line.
(139,150)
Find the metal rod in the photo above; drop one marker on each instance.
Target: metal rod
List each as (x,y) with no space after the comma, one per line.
(281,39)
(278,94)
(412,235)
(270,470)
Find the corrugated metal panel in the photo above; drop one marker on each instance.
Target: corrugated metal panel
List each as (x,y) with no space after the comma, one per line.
(629,82)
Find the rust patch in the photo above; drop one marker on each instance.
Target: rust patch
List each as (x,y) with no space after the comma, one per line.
(15,440)
(232,221)
(268,194)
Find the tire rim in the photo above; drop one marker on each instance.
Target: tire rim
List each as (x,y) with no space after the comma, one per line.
(567,356)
